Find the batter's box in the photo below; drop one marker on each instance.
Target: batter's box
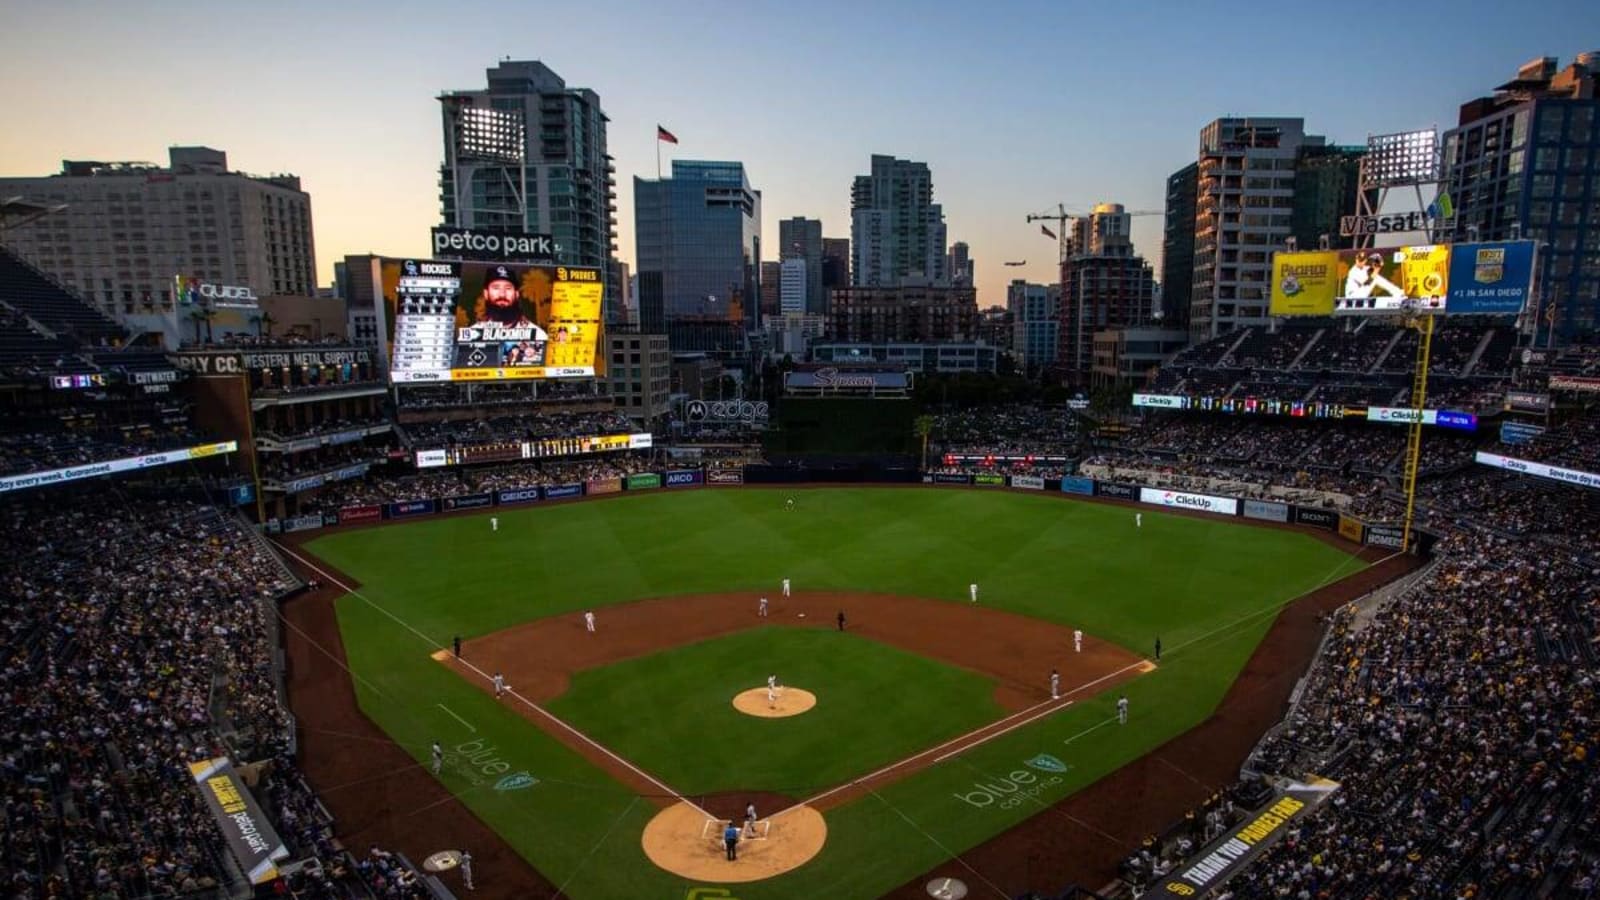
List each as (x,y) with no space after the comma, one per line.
(711,829)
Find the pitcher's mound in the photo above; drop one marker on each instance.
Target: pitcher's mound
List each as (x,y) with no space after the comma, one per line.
(791,701)
(681,840)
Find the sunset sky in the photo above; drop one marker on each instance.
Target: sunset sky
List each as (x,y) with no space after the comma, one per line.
(1015,105)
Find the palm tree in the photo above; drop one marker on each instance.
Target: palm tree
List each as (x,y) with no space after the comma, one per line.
(197,316)
(923,425)
(267,321)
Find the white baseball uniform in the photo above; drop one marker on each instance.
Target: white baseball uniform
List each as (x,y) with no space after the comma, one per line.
(499,684)
(466,870)
(772,682)
(438,757)
(761,609)
(786,587)
(1122,711)
(494,523)
(588,621)
(1055,685)
(973,590)
(1138,520)
(772,698)
(1077,641)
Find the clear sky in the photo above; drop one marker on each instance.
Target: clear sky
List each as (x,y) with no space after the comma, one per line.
(1015,105)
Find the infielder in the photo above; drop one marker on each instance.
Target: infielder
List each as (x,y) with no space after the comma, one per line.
(588,621)
(1055,685)
(1122,710)
(772,696)
(761,608)
(499,685)
(772,682)
(786,587)
(438,757)
(466,870)
(1077,640)
(973,590)
(494,523)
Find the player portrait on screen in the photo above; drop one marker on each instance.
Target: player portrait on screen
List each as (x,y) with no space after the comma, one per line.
(1366,278)
(500,300)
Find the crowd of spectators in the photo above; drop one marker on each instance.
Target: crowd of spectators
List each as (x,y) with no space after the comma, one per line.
(450,482)
(73,436)
(512,393)
(1010,430)
(516,428)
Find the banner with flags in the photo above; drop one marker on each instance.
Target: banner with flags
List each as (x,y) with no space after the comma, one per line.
(664,135)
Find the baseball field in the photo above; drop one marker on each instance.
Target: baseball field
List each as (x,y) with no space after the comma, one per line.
(615,756)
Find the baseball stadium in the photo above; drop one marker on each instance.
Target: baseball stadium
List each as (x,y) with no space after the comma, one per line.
(439,607)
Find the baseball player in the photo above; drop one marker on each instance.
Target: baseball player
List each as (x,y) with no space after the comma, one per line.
(761,608)
(1158,649)
(789,504)
(750,819)
(1077,640)
(786,587)
(466,870)
(772,682)
(438,757)
(494,523)
(1138,520)
(1055,685)
(972,589)
(1122,710)
(772,695)
(588,621)
(499,685)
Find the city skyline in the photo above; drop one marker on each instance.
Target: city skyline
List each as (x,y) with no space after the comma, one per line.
(349,104)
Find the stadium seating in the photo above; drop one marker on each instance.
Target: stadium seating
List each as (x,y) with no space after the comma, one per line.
(31,293)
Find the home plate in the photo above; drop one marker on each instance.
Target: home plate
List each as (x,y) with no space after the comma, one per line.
(947,888)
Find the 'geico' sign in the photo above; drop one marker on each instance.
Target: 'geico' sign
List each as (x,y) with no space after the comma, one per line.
(1226,506)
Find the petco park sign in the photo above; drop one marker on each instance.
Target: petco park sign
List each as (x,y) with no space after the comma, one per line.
(495,246)
(1226,506)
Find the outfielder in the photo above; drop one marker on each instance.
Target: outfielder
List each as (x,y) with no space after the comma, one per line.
(761,608)
(1138,520)
(494,523)
(788,504)
(1122,710)
(1077,640)
(499,685)
(438,757)
(786,587)
(588,621)
(973,590)
(1055,685)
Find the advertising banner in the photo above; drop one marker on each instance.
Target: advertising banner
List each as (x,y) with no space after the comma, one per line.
(1027,482)
(1073,484)
(508,496)
(1574,383)
(685,477)
(1390,536)
(558,491)
(1351,529)
(951,478)
(1316,517)
(725,476)
(1161,401)
(989,479)
(307,522)
(409,508)
(468,501)
(1304,284)
(1527,401)
(1490,279)
(720,411)
(1103,489)
(493,246)
(485,321)
(249,835)
(1226,506)
(1515,433)
(599,486)
(1266,510)
(1540,470)
(644,480)
(1215,863)
(113,466)
(428,459)
(1444,418)
(350,515)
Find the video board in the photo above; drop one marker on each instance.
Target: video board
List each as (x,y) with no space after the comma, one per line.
(1450,279)
(488,321)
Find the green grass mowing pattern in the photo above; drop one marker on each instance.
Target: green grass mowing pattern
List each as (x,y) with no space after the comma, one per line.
(1079,564)
(672,713)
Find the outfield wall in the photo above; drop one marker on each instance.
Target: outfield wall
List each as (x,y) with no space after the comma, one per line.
(1375,534)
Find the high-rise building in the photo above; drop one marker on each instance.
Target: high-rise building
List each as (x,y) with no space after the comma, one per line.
(835,265)
(961,264)
(1244,210)
(897,231)
(1327,181)
(128,230)
(794,292)
(528,154)
(905,314)
(1177,247)
(771,283)
(1523,163)
(1034,311)
(1106,285)
(801,238)
(699,245)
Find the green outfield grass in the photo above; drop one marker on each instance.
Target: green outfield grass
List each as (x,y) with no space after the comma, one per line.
(1207,587)
(671,712)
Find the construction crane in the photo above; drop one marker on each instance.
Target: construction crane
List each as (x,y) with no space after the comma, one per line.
(1061,217)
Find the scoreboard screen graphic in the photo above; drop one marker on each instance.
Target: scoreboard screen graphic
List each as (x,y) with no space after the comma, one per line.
(488,321)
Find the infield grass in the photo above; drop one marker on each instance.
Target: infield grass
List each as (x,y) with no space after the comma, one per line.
(1207,587)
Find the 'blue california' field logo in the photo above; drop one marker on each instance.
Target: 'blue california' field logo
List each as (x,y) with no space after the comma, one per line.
(1044,762)
(516,781)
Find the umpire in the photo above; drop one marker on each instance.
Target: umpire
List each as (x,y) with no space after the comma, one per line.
(730,840)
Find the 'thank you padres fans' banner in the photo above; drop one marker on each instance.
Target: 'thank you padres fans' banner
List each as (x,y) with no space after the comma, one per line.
(476,321)
(1226,506)
(1473,279)
(113,466)
(1225,857)
(1540,470)
(250,837)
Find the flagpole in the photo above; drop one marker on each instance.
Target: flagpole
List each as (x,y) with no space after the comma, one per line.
(658,152)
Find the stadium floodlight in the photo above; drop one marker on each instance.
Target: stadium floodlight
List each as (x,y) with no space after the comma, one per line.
(1410,157)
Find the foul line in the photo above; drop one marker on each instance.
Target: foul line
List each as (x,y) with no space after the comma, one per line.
(456,717)
(486,677)
(981,741)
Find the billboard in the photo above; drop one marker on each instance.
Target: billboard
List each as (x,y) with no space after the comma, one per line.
(495,246)
(1465,279)
(481,321)
(597,486)
(644,480)
(113,466)
(991,479)
(558,491)
(1226,506)
(248,833)
(1028,482)
(725,476)
(1317,518)
(507,496)
(684,477)
(1444,418)
(1161,401)
(468,501)
(1073,484)
(1540,470)
(1514,433)
(1528,401)
(1351,529)
(1107,489)
(1266,510)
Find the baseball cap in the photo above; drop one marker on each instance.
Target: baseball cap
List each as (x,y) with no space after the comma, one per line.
(499,273)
